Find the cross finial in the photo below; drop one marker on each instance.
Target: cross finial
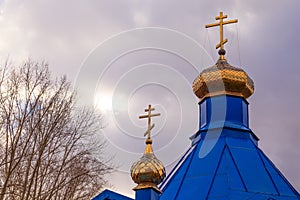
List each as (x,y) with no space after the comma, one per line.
(222,41)
(149,115)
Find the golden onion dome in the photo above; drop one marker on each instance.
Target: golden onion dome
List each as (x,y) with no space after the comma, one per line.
(222,78)
(148,171)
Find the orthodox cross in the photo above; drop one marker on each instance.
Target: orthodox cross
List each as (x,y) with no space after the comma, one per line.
(149,115)
(221,23)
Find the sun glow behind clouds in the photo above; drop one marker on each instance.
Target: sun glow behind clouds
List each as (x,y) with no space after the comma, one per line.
(103,102)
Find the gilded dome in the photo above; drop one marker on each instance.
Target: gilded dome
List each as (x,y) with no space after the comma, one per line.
(222,78)
(148,171)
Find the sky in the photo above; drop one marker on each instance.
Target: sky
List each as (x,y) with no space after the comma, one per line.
(123,55)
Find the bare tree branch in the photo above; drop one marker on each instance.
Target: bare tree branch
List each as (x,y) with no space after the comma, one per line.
(47,144)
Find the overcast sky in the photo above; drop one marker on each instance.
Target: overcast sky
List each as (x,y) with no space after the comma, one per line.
(96,44)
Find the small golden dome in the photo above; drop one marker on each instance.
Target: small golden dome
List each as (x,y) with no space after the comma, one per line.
(223,78)
(148,171)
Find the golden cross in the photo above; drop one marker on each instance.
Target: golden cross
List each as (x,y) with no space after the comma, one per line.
(149,115)
(221,23)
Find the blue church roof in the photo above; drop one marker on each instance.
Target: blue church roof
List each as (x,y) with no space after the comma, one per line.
(110,195)
(235,168)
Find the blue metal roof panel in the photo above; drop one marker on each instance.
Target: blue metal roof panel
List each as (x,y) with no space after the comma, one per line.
(228,167)
(220,186)
(257,196)
(282,185)
(110,195)
(170,190)
(190,188)
(250,166)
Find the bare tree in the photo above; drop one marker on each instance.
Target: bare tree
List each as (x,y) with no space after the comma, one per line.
(48,146)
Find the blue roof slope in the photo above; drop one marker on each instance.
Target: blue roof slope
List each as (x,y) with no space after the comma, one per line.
(234,169)
(110,195)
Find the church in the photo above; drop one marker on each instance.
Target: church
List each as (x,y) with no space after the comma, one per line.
(223,160)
